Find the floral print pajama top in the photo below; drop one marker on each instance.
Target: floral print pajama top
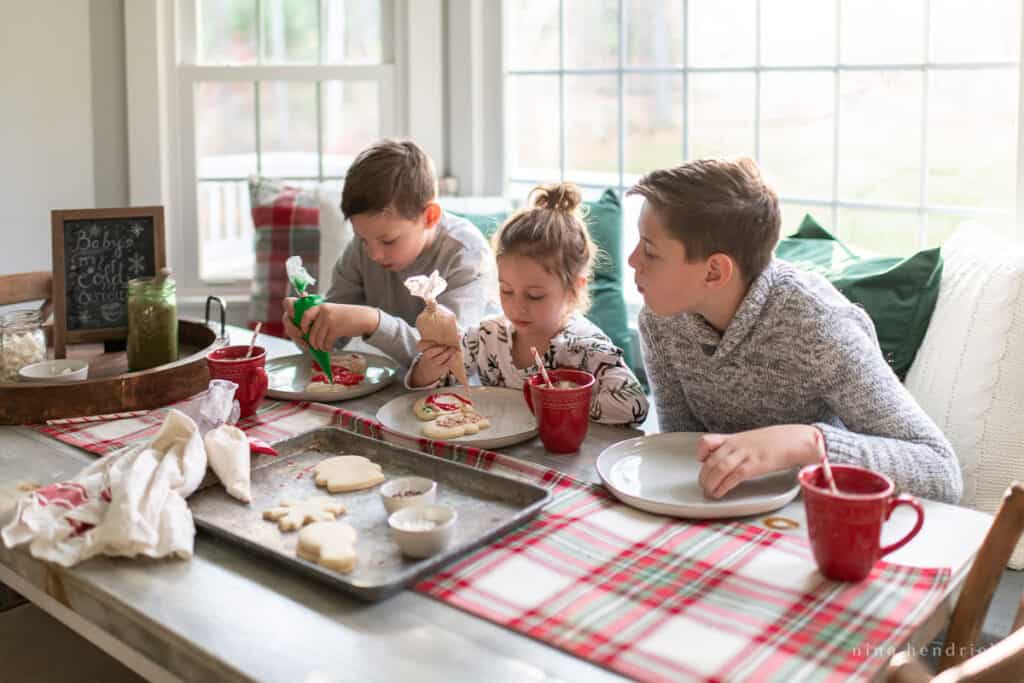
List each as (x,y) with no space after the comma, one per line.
(580,345)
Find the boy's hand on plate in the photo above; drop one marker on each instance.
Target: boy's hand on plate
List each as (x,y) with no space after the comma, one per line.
(731,459)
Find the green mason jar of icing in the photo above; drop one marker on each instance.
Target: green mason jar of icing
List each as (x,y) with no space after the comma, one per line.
(152,322)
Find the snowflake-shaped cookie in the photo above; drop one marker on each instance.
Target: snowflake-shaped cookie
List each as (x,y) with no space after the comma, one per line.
(292,514)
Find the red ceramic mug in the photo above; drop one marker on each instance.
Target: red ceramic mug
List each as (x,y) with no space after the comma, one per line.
(563,414)
(845,528)
(249,374)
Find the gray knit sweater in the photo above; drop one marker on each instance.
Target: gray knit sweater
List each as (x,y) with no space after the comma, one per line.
(459,252)
(797,352)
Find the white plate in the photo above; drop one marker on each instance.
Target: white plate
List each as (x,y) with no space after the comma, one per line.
(658,473)
(511,421)
(289,375)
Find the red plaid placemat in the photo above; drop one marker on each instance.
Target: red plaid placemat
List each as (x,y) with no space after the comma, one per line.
(652,598)
(275,420)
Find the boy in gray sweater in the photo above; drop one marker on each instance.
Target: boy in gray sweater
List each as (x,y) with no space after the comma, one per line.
(390,195)
(766,358)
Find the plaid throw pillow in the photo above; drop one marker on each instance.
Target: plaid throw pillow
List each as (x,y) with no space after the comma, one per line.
(287,223)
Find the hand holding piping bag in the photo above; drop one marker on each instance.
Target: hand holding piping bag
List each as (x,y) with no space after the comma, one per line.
(300,280)
(436,323)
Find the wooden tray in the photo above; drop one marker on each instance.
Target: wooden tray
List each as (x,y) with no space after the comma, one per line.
(110,387)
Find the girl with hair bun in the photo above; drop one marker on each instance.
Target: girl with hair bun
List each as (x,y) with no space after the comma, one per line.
(544,259)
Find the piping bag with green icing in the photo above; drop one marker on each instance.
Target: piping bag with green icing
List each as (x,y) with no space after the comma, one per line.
(300,280)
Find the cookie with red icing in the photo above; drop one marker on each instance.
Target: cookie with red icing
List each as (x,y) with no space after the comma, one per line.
(454,425)
(437,404)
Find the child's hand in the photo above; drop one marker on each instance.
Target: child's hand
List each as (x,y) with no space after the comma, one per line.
(432,364)
(730,459)
(293,332)
(325,323)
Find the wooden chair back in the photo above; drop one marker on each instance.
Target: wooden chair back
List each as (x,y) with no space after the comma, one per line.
(1003,661)
(21,287)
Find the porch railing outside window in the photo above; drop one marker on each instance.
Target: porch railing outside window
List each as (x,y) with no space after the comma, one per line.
(288,89)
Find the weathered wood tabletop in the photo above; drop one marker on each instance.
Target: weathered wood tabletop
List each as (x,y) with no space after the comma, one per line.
(230,615)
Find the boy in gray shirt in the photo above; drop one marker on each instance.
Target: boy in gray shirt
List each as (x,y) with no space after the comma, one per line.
(767,358)
(390,195)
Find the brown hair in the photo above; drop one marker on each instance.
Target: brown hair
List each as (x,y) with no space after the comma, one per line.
(551,231)
(717,206)
(390,174)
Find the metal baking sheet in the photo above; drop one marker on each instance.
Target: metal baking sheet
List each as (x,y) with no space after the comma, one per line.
(487,504)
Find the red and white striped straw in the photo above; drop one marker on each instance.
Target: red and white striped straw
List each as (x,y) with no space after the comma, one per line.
(540,364)
(823,455)
(96,418)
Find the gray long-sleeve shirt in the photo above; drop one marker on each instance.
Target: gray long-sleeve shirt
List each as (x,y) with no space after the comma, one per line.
(459,252)
(797,352)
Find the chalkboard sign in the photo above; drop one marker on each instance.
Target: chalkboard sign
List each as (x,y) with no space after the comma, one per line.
(95,253)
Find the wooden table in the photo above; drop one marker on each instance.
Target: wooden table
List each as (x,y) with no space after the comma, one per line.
(230,615)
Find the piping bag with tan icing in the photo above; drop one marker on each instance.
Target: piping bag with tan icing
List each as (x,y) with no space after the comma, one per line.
(436,322)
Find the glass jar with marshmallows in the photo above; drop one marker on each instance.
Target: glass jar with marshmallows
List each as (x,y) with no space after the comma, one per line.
(22,342)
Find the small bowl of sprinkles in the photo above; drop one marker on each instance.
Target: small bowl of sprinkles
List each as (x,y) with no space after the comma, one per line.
(406,492)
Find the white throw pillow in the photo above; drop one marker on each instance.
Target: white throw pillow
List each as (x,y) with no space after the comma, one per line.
(335,232)
(969,372)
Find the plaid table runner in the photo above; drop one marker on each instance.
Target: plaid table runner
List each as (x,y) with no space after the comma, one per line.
(652,598)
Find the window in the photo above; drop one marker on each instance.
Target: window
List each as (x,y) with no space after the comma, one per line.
(890,122)
(287,89)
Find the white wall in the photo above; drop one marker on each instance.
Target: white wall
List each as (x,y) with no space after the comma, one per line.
(52,156)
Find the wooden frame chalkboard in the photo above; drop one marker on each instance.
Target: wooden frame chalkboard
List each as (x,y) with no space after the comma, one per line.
(95,253)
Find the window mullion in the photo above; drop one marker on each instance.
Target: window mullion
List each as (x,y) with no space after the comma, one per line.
(757,81)
(259,31)
(319,131)
(256,127)
(562,132)
(922,237)
(1020,136)
(686,80)
(622,96)
(835,114)
(320,54)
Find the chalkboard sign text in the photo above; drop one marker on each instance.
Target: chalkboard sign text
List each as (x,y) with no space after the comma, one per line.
(95,253)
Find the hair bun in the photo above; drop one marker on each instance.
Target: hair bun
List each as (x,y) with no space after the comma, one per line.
(563,197)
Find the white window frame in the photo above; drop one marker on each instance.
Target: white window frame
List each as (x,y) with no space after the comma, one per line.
(159,91)
(494,81)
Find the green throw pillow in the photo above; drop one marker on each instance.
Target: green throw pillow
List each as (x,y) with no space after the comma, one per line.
(898,294)
(607,305)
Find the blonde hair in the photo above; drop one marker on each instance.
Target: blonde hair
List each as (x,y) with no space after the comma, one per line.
(550,230)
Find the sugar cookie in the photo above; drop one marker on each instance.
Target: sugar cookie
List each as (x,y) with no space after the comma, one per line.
(330,544)
(440,403)
(347,473)
(292,514)
(353,362)
(454,425)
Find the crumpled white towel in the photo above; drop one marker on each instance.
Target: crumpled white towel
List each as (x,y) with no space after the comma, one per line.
(128,503)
